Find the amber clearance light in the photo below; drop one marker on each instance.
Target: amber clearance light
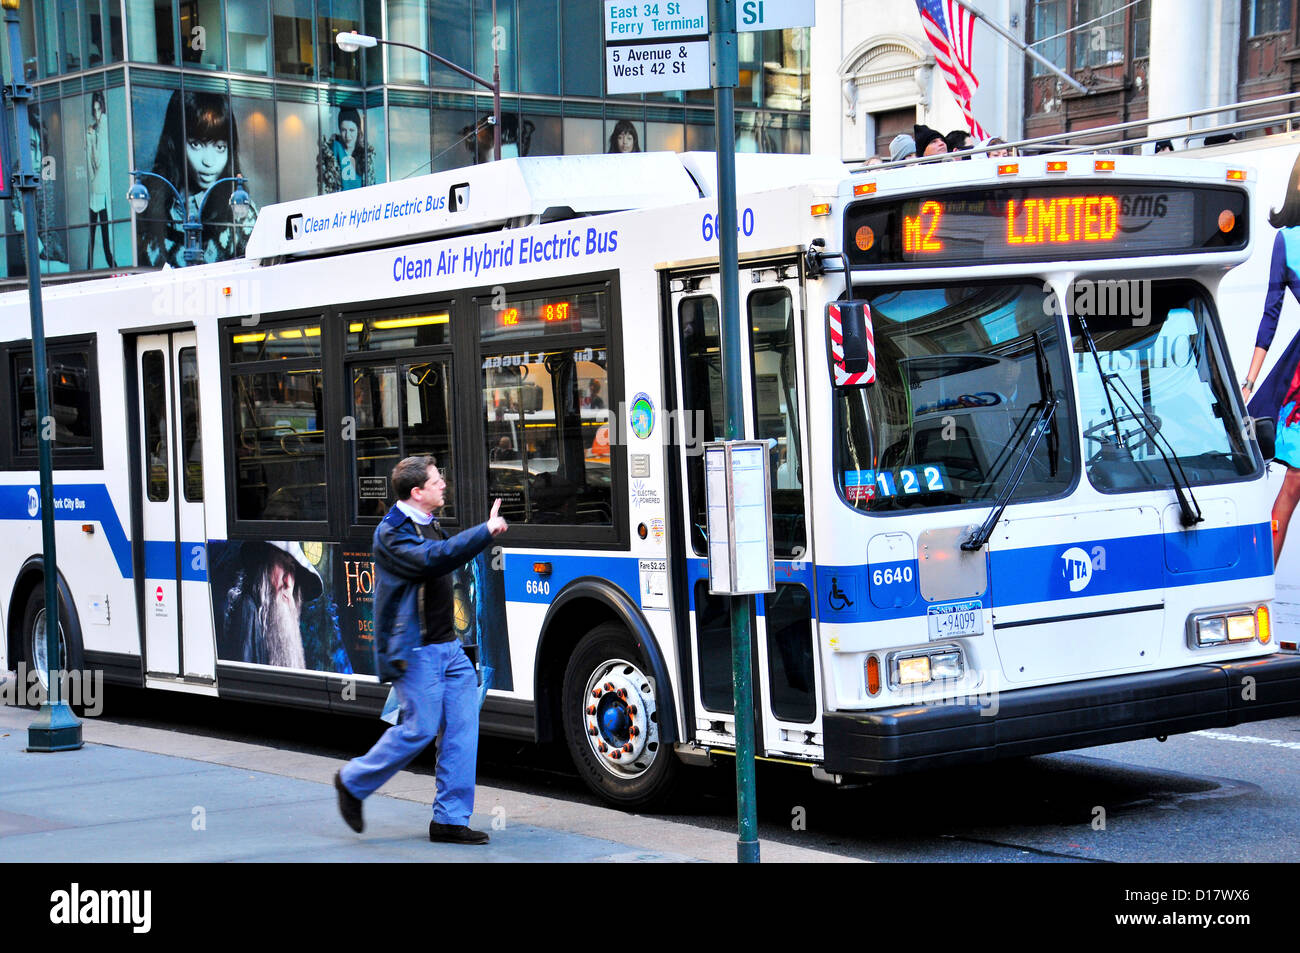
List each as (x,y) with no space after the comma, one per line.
(1236,175)
(866,188)
(1104,165)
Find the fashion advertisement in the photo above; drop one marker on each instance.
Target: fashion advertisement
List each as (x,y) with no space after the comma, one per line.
(346,157)
(1261,318)
(194,147)
(45,145)
(309,606)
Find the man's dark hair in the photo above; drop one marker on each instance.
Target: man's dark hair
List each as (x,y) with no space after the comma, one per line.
(410,473)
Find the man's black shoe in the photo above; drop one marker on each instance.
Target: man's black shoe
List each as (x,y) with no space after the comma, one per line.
(349,805)
(455,834)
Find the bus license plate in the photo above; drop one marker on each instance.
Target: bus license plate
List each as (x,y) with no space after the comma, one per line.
(955,620)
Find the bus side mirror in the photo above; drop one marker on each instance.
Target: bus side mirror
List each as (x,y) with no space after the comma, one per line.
(853,343)
(1266,436)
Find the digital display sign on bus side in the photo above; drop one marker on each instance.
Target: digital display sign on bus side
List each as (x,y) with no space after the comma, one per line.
(1051,221)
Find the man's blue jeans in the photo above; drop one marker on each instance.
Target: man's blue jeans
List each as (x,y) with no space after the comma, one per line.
(438,693)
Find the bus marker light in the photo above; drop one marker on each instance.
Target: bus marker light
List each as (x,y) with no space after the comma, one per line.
(873,675)
(818,211)
(1104,165)
(1058,166)
(1263,625)
(866,188)
(1227,221)
(542,569)
(88,528)
(1236,175)
(226,291)
(1287,646)
(1011,168)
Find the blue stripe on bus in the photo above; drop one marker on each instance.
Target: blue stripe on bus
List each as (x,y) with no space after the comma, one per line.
(160,560)
(1039,574)
(91,503)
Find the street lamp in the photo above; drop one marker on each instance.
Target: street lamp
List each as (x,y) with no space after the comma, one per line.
(56,728)
(240,206)
(352,41)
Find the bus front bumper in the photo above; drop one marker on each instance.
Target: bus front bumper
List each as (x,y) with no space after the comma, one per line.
(1048,718)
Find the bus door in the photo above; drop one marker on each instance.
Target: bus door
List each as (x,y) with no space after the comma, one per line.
(786,678)
(177,609)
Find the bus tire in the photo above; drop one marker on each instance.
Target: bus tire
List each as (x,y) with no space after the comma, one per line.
(34,650)
(610,713)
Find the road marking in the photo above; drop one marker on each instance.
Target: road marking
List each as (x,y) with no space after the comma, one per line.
(1248,739)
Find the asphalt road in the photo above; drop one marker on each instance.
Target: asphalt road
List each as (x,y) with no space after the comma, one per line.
(1228,795)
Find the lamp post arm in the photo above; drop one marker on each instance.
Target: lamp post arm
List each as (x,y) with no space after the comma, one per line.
(204,201)
(445,62)
(494,84)
(162,179)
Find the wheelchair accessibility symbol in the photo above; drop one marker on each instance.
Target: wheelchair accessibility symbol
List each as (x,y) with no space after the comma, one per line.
(837,598)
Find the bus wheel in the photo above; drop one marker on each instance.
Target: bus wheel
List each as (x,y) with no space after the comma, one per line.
(611,721)
(34,647)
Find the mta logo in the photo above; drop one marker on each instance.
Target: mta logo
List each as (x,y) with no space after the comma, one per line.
(1077,569)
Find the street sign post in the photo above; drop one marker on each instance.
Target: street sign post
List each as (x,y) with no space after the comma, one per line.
(656,46)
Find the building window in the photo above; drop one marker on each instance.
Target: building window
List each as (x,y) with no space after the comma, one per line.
(295,54)
(1089,34)
(1267,16)
(151,30)
(1099,38)
(1049,18)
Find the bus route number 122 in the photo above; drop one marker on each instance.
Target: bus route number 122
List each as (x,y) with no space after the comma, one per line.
(709,226)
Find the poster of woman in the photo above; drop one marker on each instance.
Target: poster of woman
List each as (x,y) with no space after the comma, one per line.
(624,138)
(52,248)
(197,148)
(345,160)
(97,138)
(1277,396)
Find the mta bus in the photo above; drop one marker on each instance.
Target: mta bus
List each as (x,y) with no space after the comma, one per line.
(1028,516)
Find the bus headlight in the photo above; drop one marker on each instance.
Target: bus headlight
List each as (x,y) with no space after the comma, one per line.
(1241,628)
(913,671)
(1228,626)
(1211,631)
(922,666)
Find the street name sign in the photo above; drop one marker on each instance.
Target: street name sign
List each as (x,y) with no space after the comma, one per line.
(656,47)
(774,15)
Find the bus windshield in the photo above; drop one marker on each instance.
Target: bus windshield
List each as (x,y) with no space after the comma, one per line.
(1155,343)
(959,383)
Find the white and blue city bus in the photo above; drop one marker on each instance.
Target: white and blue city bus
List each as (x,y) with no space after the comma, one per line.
(1043,526)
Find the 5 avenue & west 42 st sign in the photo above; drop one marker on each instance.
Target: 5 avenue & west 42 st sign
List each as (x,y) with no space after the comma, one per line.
(663,45)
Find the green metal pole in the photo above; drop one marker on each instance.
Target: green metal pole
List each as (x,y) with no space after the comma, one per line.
(726,76)
(56,728)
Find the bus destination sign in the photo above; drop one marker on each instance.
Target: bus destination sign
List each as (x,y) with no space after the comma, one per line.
(1049,222)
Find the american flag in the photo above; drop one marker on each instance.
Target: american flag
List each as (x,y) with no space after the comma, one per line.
(951,29)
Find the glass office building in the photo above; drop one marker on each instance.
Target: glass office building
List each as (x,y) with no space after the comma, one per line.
(196,90)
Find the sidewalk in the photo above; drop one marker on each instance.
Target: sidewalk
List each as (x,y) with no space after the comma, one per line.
(145,794)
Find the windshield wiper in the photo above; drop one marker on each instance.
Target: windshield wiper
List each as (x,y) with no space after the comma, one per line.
(1189,511)
(1031,438)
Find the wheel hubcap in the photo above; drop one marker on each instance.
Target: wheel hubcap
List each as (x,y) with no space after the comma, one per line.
(40,651)
(620,718)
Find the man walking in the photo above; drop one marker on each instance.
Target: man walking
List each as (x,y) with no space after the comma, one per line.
(421,655)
